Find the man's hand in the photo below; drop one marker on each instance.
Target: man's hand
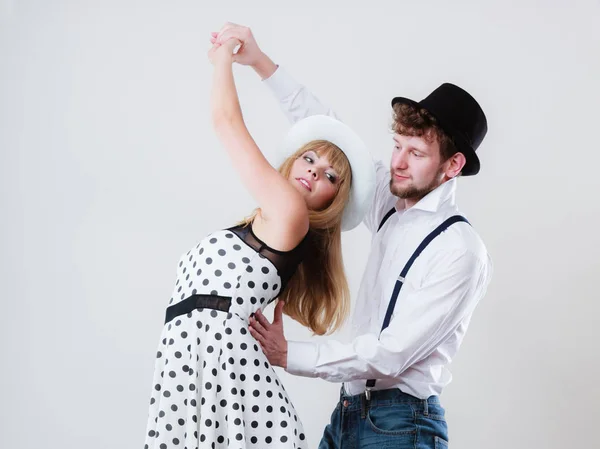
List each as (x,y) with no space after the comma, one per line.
(249,53)
(225,50)
(270,336)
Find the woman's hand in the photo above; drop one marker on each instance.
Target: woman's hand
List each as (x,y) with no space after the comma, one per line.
(249,53)
(224,51)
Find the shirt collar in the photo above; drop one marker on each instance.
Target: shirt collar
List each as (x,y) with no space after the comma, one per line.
(433,201)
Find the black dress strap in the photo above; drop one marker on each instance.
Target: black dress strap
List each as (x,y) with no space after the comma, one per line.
(400,281)
(286,262)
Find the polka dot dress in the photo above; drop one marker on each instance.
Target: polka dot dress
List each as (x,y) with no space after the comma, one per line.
(213,387)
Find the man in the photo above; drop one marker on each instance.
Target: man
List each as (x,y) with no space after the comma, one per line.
(427,270)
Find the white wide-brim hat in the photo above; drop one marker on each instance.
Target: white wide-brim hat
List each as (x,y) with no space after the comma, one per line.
(362,189)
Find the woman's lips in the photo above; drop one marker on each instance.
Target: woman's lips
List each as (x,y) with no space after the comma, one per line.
(304,183)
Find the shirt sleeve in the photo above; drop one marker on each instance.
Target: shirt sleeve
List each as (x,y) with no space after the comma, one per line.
(428,316)
(296,101)
(381,202)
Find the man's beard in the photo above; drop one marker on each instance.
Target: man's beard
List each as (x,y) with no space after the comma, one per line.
(413,192)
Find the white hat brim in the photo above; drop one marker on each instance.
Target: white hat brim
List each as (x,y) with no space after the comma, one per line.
(322,127)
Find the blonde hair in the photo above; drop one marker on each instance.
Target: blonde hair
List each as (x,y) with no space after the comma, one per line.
(317,295)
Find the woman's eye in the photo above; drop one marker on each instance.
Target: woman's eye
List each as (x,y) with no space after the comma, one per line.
(308,159)
(331,177)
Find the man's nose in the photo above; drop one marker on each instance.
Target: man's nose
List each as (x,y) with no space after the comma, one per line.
(400,160)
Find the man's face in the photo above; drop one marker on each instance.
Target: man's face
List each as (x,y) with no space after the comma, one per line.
(416,168)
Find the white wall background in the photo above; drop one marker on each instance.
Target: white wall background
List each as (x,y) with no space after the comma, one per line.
(110,170)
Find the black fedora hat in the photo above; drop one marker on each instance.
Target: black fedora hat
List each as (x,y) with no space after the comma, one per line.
(460,116)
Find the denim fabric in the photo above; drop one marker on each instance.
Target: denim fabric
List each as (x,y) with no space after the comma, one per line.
(392,419)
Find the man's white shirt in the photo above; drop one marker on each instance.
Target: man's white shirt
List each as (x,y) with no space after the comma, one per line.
(437,298)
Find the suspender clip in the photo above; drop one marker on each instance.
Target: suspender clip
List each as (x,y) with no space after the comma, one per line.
(365,403)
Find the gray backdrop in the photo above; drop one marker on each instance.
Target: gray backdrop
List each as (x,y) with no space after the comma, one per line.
(110,170)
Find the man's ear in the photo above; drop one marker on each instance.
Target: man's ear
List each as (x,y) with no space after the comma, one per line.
(454,165)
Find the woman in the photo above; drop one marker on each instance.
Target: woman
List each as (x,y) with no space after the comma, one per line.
(213,386)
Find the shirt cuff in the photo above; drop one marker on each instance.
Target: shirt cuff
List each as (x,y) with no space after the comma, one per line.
(282,84)
(302,358)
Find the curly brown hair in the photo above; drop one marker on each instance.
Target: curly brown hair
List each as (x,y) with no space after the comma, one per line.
(412,121)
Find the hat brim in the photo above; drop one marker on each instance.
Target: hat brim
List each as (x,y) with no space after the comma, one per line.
(362,189)
(472,164)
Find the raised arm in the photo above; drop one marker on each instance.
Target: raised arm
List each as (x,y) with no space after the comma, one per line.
(296,101)
(283,210)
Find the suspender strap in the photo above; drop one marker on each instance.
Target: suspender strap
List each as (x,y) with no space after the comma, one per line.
(385,218)
(400,281)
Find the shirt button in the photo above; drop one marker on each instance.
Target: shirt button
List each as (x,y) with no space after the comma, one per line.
(345,403)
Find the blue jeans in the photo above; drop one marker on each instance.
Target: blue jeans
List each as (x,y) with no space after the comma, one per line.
(392,419)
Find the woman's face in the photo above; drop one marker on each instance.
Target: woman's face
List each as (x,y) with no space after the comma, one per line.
(315,179)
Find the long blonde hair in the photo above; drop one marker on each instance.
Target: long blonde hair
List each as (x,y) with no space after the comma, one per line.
(317,295)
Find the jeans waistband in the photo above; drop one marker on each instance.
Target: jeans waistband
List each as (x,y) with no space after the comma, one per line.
(384,397)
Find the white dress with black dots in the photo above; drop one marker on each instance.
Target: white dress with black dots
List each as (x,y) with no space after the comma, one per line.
(213,386)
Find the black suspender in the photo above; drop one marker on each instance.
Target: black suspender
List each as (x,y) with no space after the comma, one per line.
(385,218)
(400,281)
